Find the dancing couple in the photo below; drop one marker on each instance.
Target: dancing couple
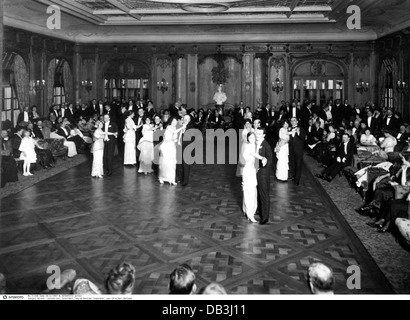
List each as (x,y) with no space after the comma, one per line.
(289,151)
(103,148)
(168,169)
(257,159)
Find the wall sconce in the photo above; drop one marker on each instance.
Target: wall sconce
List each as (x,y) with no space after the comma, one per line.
(38,85)
(361,86)
(87,84)
(277,86)
(402,87)
(162,86)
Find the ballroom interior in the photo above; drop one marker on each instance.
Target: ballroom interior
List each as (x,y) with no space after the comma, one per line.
(168,51)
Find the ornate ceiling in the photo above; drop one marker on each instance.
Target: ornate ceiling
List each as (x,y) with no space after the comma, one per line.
(209,21)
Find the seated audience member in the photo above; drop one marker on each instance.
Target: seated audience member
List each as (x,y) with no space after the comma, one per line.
(394,209)
(388,144)
(121,279)
(384,189)
(34,114)
(65,131)
(325,150)
(367,139)
(182,280)
(8,163)
(343,158)
(213,289)
(402,138)
(321,279)
(72,149)
(38,129)
(2,284)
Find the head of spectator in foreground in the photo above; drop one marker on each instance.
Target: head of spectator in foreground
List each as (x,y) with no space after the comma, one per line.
(214,289)
(320,279)
(182,280)
(121,279)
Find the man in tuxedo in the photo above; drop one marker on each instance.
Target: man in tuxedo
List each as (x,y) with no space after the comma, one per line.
(296,149)
(65,131)
(93,108)
(286,109)
(238,118)
(16,141)
(38,129)
(150,112)
(371,122)
(110,138)
(183,169)
(263,174)
(111,112)
(343,159)
(71,114)
(264,116)
(390,122)
(307,113)
(402,138)
(25,116)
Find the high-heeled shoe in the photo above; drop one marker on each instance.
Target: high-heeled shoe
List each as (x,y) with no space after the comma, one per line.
(161,182)
(173,183)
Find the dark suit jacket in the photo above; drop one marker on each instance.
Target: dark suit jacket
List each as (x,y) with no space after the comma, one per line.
(37,132)
(15,142)
(20,117)
(394,124)
(297,143)
(63,133)
(264,117)
(373,124)
(217,122)
(265,151)
(238,118)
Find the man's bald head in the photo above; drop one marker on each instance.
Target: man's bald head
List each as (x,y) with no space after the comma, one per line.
(321,280)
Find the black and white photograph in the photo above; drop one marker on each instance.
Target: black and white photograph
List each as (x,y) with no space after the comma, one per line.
(247,148)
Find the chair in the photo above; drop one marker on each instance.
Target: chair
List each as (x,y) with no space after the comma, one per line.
(57,148)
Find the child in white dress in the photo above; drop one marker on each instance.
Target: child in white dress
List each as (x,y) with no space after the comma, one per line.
(28,152)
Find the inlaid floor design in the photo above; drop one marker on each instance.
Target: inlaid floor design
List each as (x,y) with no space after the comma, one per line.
(74,221)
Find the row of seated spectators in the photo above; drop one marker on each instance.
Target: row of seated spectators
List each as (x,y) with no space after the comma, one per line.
(120,280)
(375,154)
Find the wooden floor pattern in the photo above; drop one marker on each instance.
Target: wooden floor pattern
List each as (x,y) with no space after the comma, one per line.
(74,221)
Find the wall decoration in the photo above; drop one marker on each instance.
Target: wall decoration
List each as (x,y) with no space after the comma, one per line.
(361,62)
(318,68)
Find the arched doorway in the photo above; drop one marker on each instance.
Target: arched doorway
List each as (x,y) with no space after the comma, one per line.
(318,80)
(124,80)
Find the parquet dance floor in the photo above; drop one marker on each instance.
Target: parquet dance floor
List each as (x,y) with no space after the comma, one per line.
(74,221)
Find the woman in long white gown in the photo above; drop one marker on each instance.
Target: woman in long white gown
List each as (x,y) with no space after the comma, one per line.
(168,153)
(241,162)
(146,146)
(130,156)
(249,180)
(97,150)
(282,153)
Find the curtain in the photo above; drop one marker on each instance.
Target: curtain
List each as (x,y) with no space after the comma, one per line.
(68,81)
(50,82)
(395,73)
(382,84)
(22,81)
